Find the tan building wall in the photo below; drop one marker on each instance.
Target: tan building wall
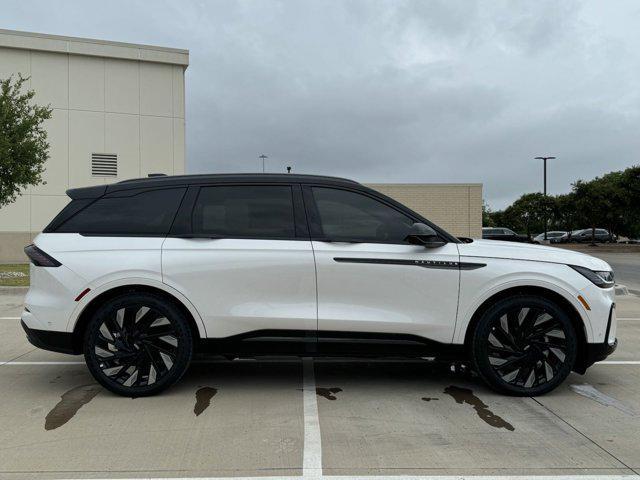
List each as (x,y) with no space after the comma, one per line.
(455,207)
(107,98)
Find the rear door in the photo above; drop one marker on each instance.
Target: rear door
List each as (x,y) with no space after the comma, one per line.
(370,280)
(243,257)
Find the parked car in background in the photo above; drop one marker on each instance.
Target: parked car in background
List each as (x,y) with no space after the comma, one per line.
(555,236)
(586,235)
(499,233)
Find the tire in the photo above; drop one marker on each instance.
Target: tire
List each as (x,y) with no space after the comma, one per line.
(138,344)
(524,346)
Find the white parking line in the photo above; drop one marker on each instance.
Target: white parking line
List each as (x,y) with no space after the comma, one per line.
(9,318)
(414,477)
(312,451)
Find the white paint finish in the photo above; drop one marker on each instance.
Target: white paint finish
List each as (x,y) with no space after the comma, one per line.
(50,298)
(156,137)
(476,286)
(526,251)
(50,78)
(122,86)
(243,285)
(363,297)
(94,262)
(312,452)
(86,83)
(156,89)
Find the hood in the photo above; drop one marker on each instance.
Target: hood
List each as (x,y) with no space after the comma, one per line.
(527,251)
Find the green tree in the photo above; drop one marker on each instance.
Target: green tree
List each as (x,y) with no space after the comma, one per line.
(23,139)
(487,215)
(527,214)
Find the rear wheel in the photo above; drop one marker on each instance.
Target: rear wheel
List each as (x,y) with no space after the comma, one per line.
(524,345)
(138,344)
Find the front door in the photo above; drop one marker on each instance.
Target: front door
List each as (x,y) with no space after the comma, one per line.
(370,279)
(247,264)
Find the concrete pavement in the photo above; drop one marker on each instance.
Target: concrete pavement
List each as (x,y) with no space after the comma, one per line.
(252,418)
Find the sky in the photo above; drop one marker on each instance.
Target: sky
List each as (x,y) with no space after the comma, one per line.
(391,91)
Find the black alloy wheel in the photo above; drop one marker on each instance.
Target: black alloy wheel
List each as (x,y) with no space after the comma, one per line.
(138,344)
(524,345)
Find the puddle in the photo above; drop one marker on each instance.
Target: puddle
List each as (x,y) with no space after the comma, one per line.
(203,399)
(328,393)
(596,395)
(428,399)
(465,395)
(69,404)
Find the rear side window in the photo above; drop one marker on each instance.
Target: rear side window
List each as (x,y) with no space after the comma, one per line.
(256,211)
(145,213)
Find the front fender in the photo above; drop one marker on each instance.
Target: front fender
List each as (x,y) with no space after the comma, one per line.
(478,286)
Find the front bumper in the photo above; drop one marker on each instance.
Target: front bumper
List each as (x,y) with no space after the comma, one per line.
(61,342)
(596,352)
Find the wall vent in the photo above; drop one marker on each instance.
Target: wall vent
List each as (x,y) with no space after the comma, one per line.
(104,165)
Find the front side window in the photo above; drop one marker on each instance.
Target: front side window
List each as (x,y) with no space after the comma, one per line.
(146,213)
(351,216)
(251,211)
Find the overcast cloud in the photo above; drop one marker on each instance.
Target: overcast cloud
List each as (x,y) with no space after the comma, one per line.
(382,91)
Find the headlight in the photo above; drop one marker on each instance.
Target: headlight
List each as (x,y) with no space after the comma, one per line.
(601,279)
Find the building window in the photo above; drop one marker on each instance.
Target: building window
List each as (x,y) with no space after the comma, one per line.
(104,165)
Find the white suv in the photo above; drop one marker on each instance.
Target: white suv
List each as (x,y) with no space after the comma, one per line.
(139,275)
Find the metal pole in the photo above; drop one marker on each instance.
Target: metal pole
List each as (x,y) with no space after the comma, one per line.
(263,156)
(545,196)
(544,159)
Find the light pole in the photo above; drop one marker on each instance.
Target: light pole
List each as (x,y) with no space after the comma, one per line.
(544,160)
(263,156)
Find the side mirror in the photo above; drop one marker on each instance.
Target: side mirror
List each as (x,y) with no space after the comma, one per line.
(421,234)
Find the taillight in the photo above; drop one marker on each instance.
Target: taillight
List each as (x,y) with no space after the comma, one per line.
(40,258)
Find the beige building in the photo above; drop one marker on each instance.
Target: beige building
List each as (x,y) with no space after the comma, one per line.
(118,112)
(456,207)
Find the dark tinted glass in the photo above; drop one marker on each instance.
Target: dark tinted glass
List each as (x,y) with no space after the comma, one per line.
(346,215)
(150,212)
(256,211)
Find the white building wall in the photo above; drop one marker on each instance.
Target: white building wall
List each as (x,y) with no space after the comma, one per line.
(107,98)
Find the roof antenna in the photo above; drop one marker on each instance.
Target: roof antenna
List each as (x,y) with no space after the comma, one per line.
(288,169)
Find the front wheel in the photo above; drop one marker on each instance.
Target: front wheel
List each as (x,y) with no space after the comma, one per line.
(138,344)
(524,345)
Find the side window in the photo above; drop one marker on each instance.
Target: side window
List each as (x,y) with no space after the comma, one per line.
(254,211)
(346,215)
(145,213)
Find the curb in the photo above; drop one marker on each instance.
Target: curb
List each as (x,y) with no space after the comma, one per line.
(14,290)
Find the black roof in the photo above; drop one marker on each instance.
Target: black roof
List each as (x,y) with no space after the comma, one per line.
(175,180)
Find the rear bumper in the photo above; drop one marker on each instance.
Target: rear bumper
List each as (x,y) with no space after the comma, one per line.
(61,342)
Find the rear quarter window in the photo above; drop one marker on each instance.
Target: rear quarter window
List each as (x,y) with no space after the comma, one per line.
(143,213)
